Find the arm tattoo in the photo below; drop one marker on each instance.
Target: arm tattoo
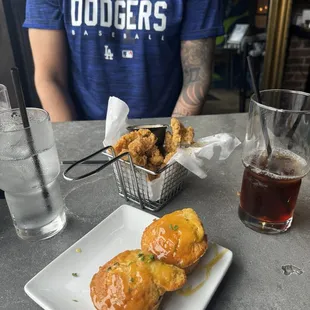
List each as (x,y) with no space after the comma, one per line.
(196,58)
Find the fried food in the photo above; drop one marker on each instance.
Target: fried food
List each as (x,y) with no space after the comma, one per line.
(155,162)
(134,280)
(168,143)
(124,141)
(138,149)
(138,144)
(151,167)
(188,135)
(177,238)
(177,129)
(141,144)
(139,160)
(168,157)
(155,157)
(180,135)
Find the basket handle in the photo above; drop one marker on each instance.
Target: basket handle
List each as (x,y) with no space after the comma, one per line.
(83,176)
(110,162)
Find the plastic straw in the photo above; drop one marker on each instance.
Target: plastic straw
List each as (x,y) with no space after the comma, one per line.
(259,99)
(26,125)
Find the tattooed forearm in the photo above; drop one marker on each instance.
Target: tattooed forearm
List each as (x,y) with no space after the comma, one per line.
(197,59)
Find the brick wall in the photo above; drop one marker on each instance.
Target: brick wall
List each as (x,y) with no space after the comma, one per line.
(297,64)
(298,55)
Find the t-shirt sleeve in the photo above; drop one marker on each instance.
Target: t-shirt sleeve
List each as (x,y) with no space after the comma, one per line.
(202,19)
(44,14)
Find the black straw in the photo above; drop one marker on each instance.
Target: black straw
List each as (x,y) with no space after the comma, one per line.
(20,97)
(23,111)
(259,99)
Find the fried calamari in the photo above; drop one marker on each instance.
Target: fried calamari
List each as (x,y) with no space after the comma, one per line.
(141,144)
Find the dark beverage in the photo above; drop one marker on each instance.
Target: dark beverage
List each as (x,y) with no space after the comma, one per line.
(270,189)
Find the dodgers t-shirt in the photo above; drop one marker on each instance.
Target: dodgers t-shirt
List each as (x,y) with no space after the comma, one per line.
(128,49)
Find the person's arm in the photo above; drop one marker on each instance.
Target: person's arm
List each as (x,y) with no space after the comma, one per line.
(197,59)
(49,52)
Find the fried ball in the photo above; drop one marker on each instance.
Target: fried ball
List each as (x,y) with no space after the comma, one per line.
(177,238)
(134,280)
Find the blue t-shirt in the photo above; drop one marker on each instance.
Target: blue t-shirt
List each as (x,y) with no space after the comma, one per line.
(128,49)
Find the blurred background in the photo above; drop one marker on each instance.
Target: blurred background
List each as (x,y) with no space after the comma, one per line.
(281,49)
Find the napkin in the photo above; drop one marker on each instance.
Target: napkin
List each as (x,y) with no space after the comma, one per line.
(196,158)
(116,121)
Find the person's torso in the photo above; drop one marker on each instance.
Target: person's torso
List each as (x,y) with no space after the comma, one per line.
(128,49)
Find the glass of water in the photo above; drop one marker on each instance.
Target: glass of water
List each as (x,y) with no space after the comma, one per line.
(29,167)
(4,98)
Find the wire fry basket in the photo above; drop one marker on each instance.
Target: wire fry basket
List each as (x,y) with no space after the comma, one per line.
(133,182)
(173,178)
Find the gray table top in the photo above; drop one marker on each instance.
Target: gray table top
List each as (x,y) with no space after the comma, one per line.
(255,279)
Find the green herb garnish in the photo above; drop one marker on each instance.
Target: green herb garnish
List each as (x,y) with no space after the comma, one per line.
(142,258)
(151,258)
(132,280)
(74,274)
(175,227)
(140,254)
(109,268)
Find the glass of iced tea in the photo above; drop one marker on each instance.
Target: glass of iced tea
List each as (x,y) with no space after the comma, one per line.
(271,180)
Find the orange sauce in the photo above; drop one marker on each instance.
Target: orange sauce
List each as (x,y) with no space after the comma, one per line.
(171,238)
(187,291)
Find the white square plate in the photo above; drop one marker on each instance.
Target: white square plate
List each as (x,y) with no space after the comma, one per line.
(55,288)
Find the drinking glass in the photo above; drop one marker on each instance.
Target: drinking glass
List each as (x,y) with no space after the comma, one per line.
(4,98)
(271,182)
(29,167)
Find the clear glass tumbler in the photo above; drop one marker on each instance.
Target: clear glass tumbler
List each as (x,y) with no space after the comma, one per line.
(4,98)
(29,167)
(271,182)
